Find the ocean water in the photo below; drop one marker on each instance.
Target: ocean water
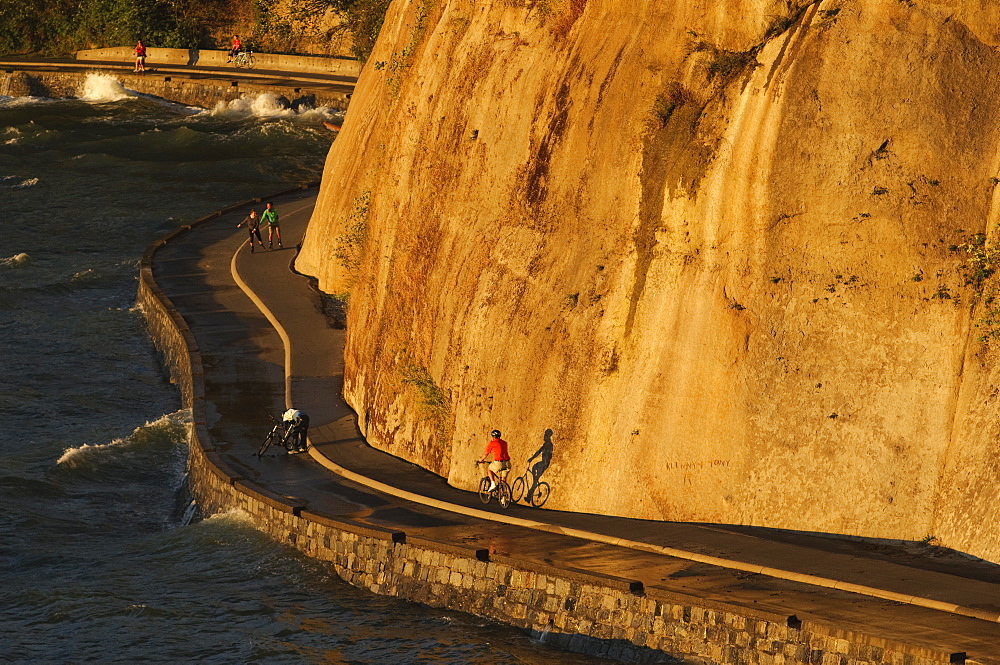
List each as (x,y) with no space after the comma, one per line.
(98,562)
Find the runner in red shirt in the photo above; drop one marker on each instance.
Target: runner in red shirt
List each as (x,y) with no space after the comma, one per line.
(497,447)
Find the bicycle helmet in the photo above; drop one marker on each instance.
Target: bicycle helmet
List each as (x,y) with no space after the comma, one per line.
(495,434)
(290,415)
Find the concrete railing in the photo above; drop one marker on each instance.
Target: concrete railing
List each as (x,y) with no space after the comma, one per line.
(311,64)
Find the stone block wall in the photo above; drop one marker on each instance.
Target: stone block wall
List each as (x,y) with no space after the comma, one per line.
(576,610)
(171,342)
(205,93)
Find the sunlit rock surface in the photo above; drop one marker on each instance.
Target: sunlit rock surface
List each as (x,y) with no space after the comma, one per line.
(716,249)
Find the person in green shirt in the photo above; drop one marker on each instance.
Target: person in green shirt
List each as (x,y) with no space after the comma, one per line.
(270,215)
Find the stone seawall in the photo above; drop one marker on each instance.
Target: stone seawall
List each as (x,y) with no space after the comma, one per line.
(203,92)
(573,609)
(334,66)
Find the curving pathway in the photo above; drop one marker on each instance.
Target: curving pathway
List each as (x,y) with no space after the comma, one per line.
(265,344)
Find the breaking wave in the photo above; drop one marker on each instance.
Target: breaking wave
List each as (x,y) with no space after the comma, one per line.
(267,105)
(15,261)
(169,429)
(16,181)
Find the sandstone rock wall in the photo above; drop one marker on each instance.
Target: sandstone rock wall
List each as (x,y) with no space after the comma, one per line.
(724,262)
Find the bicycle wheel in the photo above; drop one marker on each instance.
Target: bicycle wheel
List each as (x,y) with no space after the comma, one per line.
(503,494)
(250,62)
(484,489)
(539,495)
(272,437)
(287,441)
(517,489)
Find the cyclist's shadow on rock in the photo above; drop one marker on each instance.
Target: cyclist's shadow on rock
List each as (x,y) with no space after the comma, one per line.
(530,486)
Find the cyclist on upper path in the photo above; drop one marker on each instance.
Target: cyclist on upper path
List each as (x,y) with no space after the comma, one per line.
(497,447)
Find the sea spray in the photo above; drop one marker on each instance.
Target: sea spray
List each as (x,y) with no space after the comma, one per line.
(103,88)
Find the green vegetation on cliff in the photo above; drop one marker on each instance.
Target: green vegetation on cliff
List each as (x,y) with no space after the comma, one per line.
(62,27)
(362,18)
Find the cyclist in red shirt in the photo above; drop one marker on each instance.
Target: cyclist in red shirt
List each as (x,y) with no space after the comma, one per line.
(497,447)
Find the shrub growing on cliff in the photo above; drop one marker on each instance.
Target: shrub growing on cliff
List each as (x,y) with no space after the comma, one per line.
(401,61)
(725,65)
(980,272)
(433,407)
(668,101)
(432,400)
(560,15)
(350,246)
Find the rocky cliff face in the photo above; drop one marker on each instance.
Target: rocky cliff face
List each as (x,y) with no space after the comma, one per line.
(723,262)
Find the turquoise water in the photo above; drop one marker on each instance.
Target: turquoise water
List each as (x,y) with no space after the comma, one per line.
(96,561)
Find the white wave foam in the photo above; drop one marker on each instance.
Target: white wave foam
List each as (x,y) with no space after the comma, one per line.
(103,88)
(16,181)
(84,275)
(319,114)
(266,105)
(15,261)
(173,426)
(11,102)
(232,516)
(86,448)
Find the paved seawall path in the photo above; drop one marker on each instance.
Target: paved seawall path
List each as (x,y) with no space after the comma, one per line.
(198,85)
(260,342)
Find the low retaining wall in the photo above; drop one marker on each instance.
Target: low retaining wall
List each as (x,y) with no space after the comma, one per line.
(576,610)
(312,64)
(202,92)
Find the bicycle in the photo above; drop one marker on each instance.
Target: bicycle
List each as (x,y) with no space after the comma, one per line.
(533,492)
(277,435)
(501,492)
(244,59)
